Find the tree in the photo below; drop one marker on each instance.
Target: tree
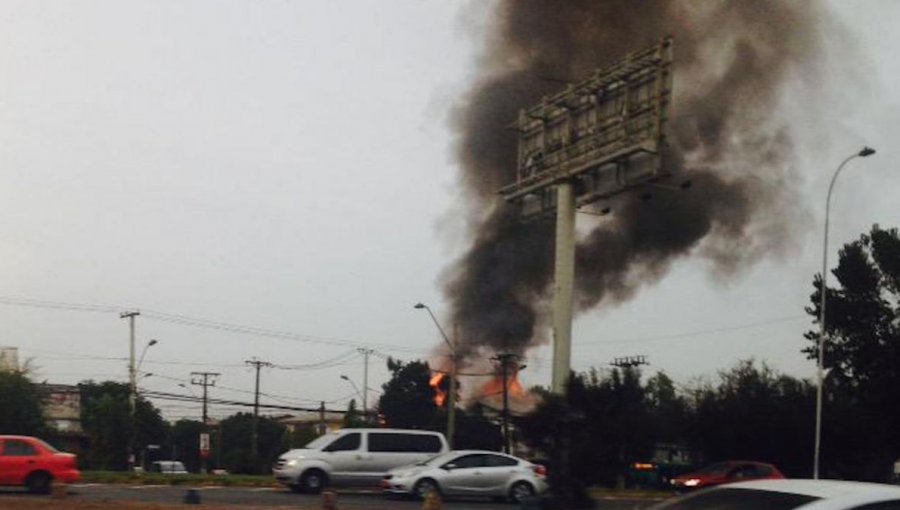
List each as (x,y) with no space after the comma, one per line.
(106,420)
(353,419)
(20,405)
(601,426)
(407,400)
(236,447)
(862,356)
(669,410)
(184,437)
(754,413)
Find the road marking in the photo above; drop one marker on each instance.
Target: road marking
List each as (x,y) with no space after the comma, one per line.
(263,489)
(142,487)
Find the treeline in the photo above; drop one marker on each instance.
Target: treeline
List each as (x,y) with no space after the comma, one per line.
(617,419)
(107,430)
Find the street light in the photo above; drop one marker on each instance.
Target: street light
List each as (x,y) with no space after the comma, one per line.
(150,344)
(451,403)
(866,151)
(356,388)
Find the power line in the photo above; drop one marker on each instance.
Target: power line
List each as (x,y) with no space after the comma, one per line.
(185,320)
(676,336)
(191,398)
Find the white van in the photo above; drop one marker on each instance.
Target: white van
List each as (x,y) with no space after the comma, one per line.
(355,457)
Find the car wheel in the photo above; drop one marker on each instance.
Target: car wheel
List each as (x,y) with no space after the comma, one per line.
(424,486)
(520,491)
(39,483)
(313,481)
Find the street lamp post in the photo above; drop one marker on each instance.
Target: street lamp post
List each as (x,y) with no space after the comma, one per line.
(866,151)
(451,402)
(355,387)
(133,370)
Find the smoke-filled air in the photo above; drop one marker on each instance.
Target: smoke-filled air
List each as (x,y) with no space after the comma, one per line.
(733,61)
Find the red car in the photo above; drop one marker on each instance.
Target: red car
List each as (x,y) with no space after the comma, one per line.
(726,472)
(35,464)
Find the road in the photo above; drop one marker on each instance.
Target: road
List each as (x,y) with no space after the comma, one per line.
(265,496)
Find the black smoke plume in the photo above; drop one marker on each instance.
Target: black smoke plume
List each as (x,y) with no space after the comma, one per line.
(733,61)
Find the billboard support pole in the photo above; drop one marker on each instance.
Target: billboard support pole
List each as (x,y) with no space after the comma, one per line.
(564,280)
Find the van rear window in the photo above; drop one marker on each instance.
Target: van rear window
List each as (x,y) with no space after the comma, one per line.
(405,443)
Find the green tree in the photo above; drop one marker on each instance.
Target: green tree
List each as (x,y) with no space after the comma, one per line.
(407,400)
(236,443)
(755,413)
(184,436)
(601,426)
(353,418)
(106,420)
(862,357)
(20,405)
(668,409)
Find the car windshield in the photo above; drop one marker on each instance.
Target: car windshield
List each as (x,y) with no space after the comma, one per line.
(320,441)
(718,467)
(737,499)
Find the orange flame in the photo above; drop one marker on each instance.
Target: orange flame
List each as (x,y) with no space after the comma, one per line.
(439,394)
(494,387)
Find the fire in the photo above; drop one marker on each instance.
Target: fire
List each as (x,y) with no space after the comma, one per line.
(440,396)
(519,399)
(494,387)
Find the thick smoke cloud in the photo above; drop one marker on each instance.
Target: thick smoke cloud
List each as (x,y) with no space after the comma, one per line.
(733,61)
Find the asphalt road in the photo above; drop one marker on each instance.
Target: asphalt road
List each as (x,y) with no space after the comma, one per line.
(264,496)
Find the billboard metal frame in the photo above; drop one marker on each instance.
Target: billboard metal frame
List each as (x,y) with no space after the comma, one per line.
(606,132)
(593,140)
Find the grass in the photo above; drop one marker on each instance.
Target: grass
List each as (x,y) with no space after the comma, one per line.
(122,477)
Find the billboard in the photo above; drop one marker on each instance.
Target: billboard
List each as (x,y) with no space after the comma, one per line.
(605,133)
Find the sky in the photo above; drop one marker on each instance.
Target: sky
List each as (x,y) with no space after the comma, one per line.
(289,167)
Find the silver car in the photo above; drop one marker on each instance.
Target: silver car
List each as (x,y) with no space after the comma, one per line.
(469,473)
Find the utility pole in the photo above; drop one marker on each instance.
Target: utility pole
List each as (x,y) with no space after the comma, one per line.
(365,392)
(451,400)
(132,385)
(505,360)
(254,445)
(205,379)
(451,411)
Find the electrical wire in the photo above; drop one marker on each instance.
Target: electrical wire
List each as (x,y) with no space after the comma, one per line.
(185,320)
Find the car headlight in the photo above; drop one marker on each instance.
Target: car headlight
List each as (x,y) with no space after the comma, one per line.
(292,462)
(691,482)
(404,474)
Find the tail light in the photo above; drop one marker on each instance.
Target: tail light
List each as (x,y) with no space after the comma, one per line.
(539,470)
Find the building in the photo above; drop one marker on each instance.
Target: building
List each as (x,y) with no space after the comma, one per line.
(9,359)
(319,421)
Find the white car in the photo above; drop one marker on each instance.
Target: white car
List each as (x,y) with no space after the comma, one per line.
(469,473)
(357,457)
(790,495)
(168,467)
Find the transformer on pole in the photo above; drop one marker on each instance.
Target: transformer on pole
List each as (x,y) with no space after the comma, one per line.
(589,142)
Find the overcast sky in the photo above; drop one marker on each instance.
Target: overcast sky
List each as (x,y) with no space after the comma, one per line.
(288,165)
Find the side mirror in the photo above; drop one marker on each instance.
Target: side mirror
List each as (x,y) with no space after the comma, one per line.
(449,467)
